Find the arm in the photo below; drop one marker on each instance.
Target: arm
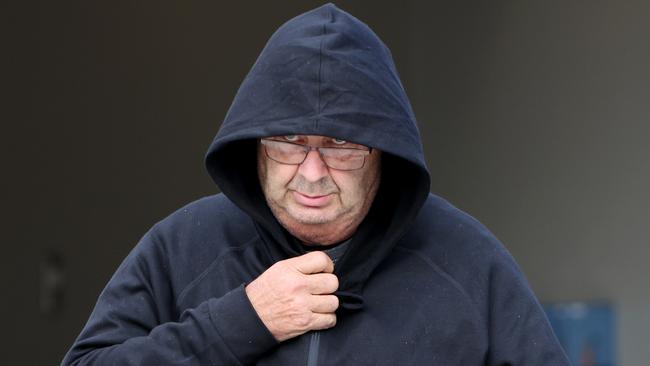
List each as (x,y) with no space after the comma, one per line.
(132,323)
(519,331)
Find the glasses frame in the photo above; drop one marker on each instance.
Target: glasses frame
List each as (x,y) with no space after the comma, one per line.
(308,148)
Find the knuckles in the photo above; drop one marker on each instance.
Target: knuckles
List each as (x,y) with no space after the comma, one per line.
(322,260)
(335,283)
(332,321)
(302,321)
(335,302)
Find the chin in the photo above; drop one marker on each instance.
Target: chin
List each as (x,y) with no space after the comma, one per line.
(309,216)
(316,228)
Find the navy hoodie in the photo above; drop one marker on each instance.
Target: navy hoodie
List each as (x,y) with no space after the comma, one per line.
(420,282)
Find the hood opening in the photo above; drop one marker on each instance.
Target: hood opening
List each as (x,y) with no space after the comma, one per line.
(326,73)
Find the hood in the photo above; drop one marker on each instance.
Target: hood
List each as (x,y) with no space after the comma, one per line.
(326,73)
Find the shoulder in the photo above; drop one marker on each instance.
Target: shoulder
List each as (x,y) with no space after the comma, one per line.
(210,218)
(213,208)
(440,226)
(462,247)
(188,240)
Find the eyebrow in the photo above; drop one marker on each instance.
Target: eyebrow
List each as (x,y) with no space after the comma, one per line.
(327,141)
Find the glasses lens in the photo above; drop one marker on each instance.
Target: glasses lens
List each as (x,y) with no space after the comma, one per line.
(344,159)
(336,158)
(284,152)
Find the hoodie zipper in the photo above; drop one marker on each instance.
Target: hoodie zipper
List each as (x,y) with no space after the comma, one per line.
(314,345)
(314,342)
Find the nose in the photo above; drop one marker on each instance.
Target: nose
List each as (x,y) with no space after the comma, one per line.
(313,168)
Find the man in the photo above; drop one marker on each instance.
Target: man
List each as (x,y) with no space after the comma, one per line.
(325,246)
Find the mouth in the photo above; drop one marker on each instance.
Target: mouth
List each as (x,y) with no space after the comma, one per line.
(312,200)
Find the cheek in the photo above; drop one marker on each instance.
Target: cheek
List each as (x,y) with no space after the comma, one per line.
(355,187)
(350,187)
(359,186)
(277,178)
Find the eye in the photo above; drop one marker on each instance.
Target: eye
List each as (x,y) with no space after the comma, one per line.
(339,141)
(292,138)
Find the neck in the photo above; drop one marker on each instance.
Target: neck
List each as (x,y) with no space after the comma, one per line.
(320,235)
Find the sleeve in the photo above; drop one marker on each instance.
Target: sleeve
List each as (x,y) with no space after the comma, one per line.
(131,323)
(519,331)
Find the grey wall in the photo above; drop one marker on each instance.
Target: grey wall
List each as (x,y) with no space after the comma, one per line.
(534,117)
(537,121)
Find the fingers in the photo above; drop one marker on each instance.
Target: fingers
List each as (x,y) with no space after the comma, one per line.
(322,283)
(324,304)
(323,321)
(313,262)
(295,295)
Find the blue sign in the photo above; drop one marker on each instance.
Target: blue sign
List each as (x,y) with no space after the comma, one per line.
(585,330)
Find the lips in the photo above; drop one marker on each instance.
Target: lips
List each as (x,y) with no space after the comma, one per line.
(312,201)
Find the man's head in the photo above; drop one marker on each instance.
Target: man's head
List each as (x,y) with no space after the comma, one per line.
(323,73)
(319,195)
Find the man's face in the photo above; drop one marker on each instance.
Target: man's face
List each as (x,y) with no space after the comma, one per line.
(316,203)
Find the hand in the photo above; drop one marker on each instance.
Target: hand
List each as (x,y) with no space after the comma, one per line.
(295,295)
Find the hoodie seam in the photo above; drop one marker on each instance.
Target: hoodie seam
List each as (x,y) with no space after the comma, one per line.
(320,76)
(446,276)
(192,284)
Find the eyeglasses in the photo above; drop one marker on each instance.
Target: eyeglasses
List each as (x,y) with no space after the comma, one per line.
(340,158)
